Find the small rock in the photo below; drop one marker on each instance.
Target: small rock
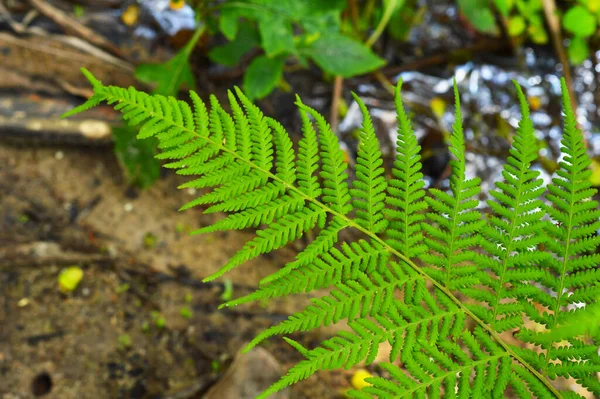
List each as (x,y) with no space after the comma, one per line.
(248,376)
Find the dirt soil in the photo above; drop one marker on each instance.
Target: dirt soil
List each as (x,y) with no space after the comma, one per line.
(141,324)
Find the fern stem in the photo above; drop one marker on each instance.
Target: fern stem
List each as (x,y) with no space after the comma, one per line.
(352,223)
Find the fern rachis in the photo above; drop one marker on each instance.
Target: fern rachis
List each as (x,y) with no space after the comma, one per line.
(377,283)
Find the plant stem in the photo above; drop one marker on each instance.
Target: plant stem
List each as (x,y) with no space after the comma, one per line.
(387,14)
(557,41)
(335,102)
(189,47)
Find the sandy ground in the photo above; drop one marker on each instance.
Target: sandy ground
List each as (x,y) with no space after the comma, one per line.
(70,206)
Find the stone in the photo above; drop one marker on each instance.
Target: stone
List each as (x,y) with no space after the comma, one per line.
(248,376)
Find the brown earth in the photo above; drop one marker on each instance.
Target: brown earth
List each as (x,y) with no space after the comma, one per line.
(70,206)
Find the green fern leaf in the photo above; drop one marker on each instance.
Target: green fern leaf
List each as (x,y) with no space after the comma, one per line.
(287,229)
(308,159)
(447,348)
(510,236)
(333,172)
(369,187)
(325,269)
(406,190)
(365,295)
(454,225)
(573,269)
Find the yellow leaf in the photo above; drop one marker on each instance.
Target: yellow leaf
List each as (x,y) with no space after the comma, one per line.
(176,4)
(438,106)
(595,176)
(535,102)
(594,5)
(131,15)
(358,379)
(69,278)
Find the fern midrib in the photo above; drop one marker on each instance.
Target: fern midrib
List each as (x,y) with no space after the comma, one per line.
(369,197)
(351,223)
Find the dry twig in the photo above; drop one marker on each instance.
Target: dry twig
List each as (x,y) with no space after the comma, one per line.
(72,26)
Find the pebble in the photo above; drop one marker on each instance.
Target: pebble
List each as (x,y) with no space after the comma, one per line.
(248,376)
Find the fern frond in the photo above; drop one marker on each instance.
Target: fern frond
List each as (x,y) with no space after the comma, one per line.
(365,295)
(369,187)
(308,159)
(573,269)
(322,244)
(289,228)
(453,228)
(333,171)
(261,146)
(324,270)
(91,102)
(511,236)
(406,189)
(447,348)
(407,327)
(258,214)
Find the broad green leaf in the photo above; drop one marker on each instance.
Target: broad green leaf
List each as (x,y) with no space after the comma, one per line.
(262,76)
(595,175)
(504,6)
(479,13)
(276,35)
(578,50)
(299,10)
(230,53)
(168,77)
(340,55)
(593,5)
(136,156)
(403,20)
(579,21)
(228,22)
(171,75)
(286,9)
(537,33)
(326,22)
(516,25)
(529,8)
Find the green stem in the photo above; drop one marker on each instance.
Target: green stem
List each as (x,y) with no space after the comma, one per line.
(385,19)
(189,47)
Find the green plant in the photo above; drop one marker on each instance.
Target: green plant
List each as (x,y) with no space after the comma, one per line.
(137,157)
(520,17)
(581,21)
(305,30)
(526,18)
(428,275)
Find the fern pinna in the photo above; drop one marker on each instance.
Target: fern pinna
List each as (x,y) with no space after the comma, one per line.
(471,306)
